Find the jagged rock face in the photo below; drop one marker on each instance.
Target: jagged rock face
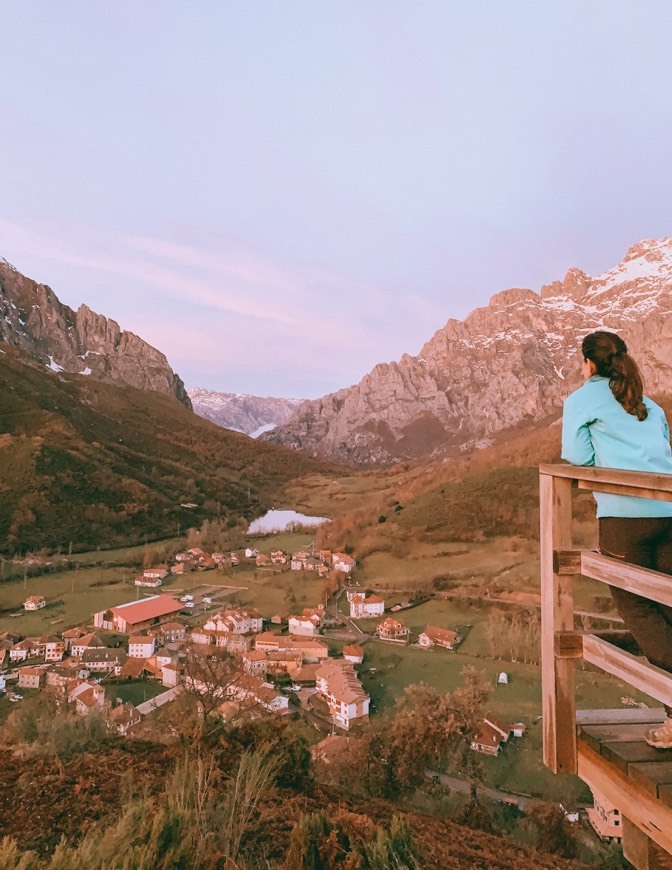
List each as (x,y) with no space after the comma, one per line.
(511,362)
(33,319)
(252,415)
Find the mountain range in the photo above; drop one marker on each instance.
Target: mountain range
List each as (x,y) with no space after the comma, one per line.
(241,412)
(508,364)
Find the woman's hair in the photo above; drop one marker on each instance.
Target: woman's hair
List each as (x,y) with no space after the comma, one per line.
(610,354)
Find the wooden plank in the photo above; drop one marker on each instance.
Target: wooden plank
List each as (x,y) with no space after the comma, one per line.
(621,489)
(611,732)
(652,774)
(567,561)
(615,572)
(646,677)
(644,480)
(646,812)
(557,614)
(623,755)
(631,715)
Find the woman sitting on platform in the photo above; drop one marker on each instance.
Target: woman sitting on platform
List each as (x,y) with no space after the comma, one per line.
(608,422)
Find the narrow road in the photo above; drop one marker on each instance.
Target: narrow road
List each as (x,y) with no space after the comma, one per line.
(523,802)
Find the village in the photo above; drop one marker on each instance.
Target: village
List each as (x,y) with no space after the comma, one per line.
(278,666)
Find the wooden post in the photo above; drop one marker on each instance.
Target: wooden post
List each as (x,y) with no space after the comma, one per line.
(557,614)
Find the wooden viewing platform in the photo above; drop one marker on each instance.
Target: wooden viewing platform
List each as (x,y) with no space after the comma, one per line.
(606,748)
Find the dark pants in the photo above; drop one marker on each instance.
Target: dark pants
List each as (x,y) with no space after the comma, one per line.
(645,541)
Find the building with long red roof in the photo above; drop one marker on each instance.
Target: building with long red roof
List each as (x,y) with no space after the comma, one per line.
(138,615)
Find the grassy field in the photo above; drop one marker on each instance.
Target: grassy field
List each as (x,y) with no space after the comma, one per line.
(134,691)
(519,767)
(283,592)
(73,596)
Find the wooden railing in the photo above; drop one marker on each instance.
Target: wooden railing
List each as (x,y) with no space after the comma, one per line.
(559,563)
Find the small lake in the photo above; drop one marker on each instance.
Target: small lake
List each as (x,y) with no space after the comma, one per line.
(281,521)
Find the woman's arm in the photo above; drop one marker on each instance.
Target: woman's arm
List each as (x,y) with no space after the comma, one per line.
(577,445)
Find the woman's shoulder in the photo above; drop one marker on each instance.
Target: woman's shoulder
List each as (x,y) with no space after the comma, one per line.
(653,406)
(587,390)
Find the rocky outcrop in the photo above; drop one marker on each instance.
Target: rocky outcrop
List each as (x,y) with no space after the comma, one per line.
(33,319)
(252,415)
(508,363)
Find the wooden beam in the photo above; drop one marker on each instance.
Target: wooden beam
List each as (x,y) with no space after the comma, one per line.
(647,678)
(646,812)
(557,615)
(622,489)
(615,572)
(629,716)
(639,849)
(569,644)
(642,480)
(567,561)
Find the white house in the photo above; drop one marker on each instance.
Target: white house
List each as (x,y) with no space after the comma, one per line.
(353,653)
(35,602)
(239,621)
(256,692)
(308,624)
(605,818)
(338,684)
(22,650)
(141,646)
(151,582)
(343,562)
(365,606)
(443,637)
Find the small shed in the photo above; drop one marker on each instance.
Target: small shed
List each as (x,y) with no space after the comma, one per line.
(503,679)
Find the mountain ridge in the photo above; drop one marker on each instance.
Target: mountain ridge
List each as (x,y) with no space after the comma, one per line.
(242,412)
(511,361)
(33,319)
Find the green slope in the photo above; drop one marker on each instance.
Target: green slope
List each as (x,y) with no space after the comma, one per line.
(100,465)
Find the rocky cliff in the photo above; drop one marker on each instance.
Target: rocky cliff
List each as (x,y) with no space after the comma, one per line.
(252,415)
(509,363)
(34,320)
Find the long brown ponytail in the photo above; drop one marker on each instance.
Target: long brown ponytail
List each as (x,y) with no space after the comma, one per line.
(610,354)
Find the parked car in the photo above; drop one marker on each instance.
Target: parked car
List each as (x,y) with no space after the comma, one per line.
(189,604)
(207,601)
(187,598)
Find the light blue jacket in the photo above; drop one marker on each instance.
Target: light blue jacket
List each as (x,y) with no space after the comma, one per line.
(597,430)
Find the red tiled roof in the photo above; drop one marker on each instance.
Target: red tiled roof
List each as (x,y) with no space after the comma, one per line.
(150,608)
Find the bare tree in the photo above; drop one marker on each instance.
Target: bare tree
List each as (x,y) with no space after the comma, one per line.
(210,673)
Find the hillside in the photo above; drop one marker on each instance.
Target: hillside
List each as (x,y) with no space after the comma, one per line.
(92,464)
(508,364)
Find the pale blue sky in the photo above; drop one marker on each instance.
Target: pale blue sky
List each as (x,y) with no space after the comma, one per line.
(281,194)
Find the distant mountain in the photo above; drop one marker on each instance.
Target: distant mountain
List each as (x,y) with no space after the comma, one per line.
(101,465)
(34,320)
(506,365)
(252,415)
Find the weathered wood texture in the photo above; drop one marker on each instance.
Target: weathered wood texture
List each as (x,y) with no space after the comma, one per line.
(615,572)
(641,480)
(569,644)
(639,804)
(646,677)
(641,851)
(627,716)
(621,489)
(557,615)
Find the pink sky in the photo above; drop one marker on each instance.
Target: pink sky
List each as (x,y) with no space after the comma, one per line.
(279,196)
